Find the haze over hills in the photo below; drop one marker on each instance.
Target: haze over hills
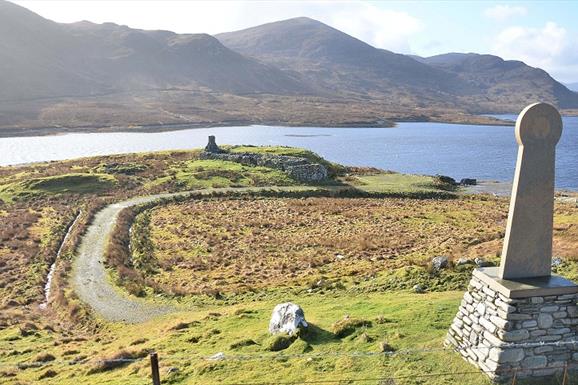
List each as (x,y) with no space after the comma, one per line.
(333,59)
(58,77)
(572,86)
(41,58)
(504,81)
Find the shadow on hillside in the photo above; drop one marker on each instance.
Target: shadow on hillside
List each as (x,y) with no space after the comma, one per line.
(317,336)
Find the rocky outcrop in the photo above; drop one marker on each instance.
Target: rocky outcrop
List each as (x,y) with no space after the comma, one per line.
(468,182)
(287,318)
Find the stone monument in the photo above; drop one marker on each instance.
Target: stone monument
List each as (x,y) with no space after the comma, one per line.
(212,146)
(519,319)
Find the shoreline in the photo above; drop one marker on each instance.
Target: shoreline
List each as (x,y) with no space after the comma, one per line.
(157,128)
(504,189)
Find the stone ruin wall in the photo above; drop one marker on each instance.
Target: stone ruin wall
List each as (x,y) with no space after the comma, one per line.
(532,336)
(298,168)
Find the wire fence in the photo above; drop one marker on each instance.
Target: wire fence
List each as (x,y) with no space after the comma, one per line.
(384,380)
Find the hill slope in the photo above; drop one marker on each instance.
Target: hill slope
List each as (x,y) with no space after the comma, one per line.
(41,58)
(337,61)
(505,81)
(572,86)
(84,76)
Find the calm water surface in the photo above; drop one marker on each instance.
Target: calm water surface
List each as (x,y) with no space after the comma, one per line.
(460,151)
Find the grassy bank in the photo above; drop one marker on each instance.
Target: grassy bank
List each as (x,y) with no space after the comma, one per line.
(350,256)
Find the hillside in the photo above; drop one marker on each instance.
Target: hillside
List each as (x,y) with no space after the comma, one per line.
(221,259)
(572,86)
(41,58)
(88,77)
(505,81)
(334,60)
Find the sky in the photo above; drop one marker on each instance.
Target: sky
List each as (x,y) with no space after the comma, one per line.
(541,33)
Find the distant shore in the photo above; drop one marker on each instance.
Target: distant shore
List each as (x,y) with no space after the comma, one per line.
(499,188)
(12,132)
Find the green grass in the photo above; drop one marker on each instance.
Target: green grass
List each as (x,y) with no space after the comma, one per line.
(74,183)
(412,326)
(200,174)
(184,340)
(333,168)
(393,183)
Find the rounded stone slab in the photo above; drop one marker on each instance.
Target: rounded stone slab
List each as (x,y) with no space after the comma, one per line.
(539,123)
(527,251)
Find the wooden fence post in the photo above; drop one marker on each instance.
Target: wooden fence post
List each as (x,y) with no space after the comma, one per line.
(155,369)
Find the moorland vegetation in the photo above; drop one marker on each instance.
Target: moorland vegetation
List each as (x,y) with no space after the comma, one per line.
(349,251)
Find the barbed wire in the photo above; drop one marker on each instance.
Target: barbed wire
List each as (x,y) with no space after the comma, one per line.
(401,377)
(282,356)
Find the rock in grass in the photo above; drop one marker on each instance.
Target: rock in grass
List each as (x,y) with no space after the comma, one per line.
(419,288)
(287,318)
(48,374)
(557,261)
(347,326)
(483,263)
(384,347)
(440,262)
(279,342)
(464,261)
(364,338)
(217,357)
(242,343)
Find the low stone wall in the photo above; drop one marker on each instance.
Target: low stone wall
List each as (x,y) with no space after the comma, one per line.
(301,169)
(532,336)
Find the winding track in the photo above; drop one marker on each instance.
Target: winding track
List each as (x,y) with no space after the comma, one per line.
(90,278)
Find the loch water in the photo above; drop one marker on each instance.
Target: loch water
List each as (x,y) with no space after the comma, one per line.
(456,150)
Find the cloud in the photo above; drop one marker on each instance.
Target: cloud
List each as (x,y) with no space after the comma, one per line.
(381,28)
(505,12)
(371,23)
(550,47)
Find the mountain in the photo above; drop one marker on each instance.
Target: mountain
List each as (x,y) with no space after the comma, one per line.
(58,77)
(333,60)
(572,86)
(40,58)
(505,81)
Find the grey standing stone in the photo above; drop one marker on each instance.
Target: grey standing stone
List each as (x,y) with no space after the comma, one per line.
(519,316)
(527,250)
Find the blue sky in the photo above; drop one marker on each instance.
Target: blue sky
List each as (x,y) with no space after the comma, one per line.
(542,33)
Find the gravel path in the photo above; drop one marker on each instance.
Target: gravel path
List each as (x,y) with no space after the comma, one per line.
(90,278)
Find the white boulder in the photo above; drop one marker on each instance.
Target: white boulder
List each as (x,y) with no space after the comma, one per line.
(287,318)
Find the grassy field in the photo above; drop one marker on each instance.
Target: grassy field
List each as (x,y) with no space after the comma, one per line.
(185,340)
(38,201)
(227,261)
(400,343)
(241,245)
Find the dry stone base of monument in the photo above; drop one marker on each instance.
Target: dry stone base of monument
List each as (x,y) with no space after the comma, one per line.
(527,327)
